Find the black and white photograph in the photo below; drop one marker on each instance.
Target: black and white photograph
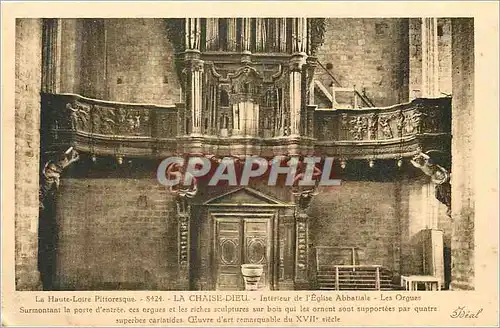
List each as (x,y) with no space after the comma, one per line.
(244,153)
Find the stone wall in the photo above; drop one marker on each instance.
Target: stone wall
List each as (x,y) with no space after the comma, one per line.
(359,214)
(27,150)
(370,53)
(415,57)
(93,60)
(419,210)
(126,60)
(115,233)
(381,219)
(141,56)
(462,201)
(444,48)
(132,60)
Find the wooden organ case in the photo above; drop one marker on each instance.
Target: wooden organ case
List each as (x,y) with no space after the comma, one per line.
(246,86)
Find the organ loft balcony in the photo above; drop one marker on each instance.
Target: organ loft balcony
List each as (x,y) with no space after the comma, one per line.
(249,86)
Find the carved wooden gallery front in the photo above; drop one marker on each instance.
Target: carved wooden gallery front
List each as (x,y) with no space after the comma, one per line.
(248,87)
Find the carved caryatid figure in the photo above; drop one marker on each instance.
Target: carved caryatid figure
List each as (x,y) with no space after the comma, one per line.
(183,191)
(439,175)
(51,173)
(304,194)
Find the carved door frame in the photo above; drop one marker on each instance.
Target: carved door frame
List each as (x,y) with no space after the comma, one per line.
(244,202)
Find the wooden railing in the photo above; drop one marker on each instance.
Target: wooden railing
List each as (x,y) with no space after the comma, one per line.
(420,116)
(137,130)
(391,132)
(335,88)
(353,276)
(106,127)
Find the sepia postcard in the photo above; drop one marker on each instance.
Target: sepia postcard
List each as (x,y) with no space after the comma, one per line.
(250,163)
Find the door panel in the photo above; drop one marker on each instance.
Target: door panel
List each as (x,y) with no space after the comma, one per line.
(239,241)
(228,254)
(257,246)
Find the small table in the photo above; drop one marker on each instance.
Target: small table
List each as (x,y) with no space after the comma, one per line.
(411,282)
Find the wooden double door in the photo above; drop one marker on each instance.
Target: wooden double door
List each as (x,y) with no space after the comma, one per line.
(241,240)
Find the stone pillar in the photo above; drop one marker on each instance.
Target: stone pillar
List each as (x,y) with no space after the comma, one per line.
(71,48)
(194,67)
(299,58)
(444,44)
(27,151)
(51,52)
(424,58)
(462,184)
(415,60)
(430,63)
(296,92)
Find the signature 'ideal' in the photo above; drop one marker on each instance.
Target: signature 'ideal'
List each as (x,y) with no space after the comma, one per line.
(463,312)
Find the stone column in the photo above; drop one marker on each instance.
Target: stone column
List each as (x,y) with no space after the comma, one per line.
(415,60)
(51,51)
(27,151)
(299,57)
(430,63)
(194,68)
(424,58)
(296,92)
(71,41)
(462,184)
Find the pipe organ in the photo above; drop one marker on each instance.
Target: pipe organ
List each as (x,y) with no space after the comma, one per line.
(245,77)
